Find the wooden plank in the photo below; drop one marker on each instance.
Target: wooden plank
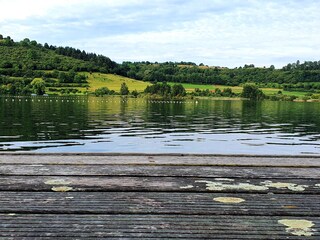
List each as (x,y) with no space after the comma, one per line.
(156,171)
(187,160)
(160,203)
(158,196)
(158,184)
(152,226)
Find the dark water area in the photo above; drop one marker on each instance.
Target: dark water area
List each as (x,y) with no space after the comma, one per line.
(120,125)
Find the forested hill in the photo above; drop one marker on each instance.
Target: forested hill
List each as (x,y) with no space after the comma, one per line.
(26,57)
(30,59)
(307,73)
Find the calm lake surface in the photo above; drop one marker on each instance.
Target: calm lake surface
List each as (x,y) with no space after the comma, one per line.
(89,124)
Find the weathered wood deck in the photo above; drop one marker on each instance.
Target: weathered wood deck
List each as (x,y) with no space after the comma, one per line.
(158,196)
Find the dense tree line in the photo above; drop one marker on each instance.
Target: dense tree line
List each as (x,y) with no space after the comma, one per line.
(308,65)
(227,92)
(104,63)
(179,73)
(306,87)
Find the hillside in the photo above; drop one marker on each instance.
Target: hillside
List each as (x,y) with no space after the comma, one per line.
(17,58)
(56,70)
(69,70)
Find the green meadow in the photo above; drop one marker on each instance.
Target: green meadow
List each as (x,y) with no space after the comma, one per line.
(268,91)
(113,82)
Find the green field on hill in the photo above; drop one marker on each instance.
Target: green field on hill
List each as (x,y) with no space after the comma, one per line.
(268,91)
(113,82)
(99,80)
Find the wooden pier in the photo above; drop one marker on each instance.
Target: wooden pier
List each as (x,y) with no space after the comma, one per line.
(90,196)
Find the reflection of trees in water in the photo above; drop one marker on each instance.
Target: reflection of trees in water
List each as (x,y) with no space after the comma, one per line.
(123,108)
(42,119)
(251,112)
(77,120)
(163,112)
(194,116)
(287,117)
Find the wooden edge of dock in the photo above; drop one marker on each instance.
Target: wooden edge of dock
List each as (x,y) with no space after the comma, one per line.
(159,196)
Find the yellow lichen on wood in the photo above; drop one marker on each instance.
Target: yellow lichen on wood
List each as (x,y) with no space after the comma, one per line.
(224,179)
(220,186)
(282,185)
(263,186)
(290,207)
(61,189)
(187,187)
(229,200)
(298,227)
(57,182)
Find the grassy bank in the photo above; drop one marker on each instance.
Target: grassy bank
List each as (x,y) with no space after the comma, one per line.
(237,89)
(113,82)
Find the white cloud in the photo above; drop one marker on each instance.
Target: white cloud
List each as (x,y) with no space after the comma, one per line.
(21,9)
(216,32)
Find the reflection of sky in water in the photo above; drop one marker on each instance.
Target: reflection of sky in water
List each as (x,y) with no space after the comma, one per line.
(134,126)
(235,143)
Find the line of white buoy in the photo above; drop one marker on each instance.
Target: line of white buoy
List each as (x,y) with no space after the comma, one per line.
(81,100)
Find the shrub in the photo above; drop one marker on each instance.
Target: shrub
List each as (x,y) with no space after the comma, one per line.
(252,92)
(102,91)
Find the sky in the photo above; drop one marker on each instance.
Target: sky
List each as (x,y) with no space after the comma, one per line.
(227,33)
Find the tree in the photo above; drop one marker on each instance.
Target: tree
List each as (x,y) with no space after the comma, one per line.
(33,43)
(6,64)
(8,41)
(178,90)
(80,78)
(124,90)
(252,92)
(218,92)
(25,42)
(135,93)
(102,91)
(227,92)
(162,89)
(38,86)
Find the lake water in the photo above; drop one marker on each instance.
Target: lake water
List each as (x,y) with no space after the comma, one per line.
(114,124)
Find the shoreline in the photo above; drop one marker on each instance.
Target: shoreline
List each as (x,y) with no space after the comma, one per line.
(157,98)
(128,154)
